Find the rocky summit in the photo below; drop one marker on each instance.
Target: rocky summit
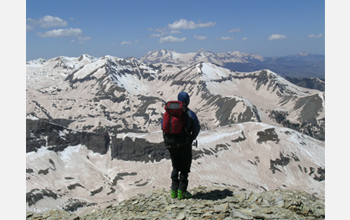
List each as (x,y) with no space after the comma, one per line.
(206,203)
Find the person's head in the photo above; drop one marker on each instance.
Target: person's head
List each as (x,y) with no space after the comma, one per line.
(184,97)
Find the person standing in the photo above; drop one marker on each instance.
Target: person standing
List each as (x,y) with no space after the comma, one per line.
(181,154)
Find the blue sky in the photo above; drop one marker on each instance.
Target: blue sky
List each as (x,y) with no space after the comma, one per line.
(135,27)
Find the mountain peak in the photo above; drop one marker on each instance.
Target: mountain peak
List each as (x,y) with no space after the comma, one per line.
(293,65)
(202,50)
(86,56)
(202,55)
(37,61)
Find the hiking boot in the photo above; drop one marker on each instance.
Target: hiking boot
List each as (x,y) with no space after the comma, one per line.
(173,194)
(183,195)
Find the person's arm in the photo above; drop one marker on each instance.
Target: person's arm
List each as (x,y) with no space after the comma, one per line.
(195,125)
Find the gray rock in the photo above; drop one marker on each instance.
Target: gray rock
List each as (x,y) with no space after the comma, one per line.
(181,216)
(236,205)
(221,208)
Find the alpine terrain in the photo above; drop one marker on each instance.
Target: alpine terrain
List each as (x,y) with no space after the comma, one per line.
(301,65)
(94,138)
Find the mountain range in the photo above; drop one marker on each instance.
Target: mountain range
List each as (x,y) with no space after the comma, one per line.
(93,129)
(302,65)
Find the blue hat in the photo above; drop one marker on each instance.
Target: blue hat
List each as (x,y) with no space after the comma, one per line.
(183,97)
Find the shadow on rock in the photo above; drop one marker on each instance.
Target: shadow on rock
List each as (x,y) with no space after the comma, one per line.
(213,195)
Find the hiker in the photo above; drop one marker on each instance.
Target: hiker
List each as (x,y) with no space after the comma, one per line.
(180,147)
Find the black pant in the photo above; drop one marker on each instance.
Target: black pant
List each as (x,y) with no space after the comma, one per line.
(181,159)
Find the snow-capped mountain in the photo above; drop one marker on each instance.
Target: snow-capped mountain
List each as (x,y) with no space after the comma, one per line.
(302,65)
(173,57)
(99,119)
(97,92)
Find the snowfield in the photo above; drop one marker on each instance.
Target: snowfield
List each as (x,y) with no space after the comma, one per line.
(259,131)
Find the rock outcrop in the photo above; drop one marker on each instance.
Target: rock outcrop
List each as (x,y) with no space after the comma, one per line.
(206,203)
(42,132)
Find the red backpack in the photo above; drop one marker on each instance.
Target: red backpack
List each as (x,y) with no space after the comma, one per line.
(173,124)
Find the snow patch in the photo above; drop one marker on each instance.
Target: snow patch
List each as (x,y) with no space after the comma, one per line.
(68,151)
(215,137)
(31,117)
(41,152)
(212,72)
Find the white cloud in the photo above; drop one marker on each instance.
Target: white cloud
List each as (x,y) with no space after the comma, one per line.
(244,38)
(235,30)
(163,31)
(199,37)
(47,21)
(50,21)
(175,32)
(125,43)
(314,36)
(29,27)
(81,40)
(226,38)
(157,35)
(171,39)
(128,42)
(277,37)
(71,32)
(184,24)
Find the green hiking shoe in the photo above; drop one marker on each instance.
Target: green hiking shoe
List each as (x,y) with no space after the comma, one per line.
(173,194)
(183,195)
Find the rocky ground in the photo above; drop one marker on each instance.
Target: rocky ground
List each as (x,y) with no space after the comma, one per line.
(206,203)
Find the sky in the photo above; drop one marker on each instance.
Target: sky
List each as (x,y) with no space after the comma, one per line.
(133,28)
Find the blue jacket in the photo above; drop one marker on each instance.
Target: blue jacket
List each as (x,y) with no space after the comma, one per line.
(192,124)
